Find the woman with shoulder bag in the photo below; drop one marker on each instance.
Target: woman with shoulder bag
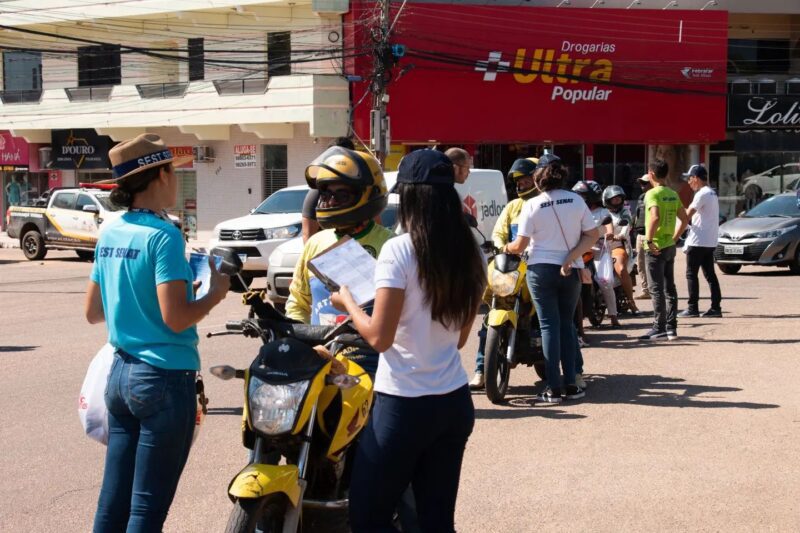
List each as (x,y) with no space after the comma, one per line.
(556,228)
(141,286)
(429,286)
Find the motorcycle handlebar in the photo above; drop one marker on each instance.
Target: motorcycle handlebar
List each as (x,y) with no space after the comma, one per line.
(234,325)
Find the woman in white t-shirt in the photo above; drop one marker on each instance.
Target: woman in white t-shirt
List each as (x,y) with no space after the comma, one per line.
(555,228)
(429,285)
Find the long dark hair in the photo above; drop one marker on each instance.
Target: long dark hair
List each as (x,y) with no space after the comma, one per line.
(449,263)
(127,188)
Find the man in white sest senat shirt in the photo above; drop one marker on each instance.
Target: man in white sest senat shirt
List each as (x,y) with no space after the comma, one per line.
(701,243)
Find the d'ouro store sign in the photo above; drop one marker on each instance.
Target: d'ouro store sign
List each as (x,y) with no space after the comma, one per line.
(80,149)
(763,112)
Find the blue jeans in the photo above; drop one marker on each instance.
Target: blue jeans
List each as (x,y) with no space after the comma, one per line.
(419,441)
(555,298)
(481,356)
(151,417)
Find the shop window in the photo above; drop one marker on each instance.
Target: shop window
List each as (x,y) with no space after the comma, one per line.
(604,164)
(276,169)
(99,65)
(22,77)
(197,67)
(279,53)
(759,56)
(628,166)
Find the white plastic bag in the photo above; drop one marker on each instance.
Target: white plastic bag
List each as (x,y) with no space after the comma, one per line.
(92,408)
(605,268)
(91,403)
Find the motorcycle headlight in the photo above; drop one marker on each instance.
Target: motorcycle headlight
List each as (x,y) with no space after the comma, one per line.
(771,234)
(285,232)
(273,408)
(504,284)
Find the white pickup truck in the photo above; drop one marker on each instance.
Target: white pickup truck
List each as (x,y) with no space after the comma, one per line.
(254,236)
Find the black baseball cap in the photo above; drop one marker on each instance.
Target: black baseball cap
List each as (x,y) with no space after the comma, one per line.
(546,159)
(426,166)
(697,170)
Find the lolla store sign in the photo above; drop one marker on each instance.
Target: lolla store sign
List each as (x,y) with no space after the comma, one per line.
(763,112)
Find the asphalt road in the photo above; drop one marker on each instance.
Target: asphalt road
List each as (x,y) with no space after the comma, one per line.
(697,434)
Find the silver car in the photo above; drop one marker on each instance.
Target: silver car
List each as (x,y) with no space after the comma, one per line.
(767,235)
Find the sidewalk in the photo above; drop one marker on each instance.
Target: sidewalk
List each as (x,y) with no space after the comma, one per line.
(8,242)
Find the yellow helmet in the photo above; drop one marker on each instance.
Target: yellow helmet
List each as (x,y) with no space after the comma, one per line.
(520,168)
(360,171)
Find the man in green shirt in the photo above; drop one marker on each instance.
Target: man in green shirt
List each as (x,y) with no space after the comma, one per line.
(664,223)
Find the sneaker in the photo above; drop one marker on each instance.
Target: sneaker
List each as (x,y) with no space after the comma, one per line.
(573,392)
(689,313)
(643,296)
(713,313)
(672,334)
(549,395)
(478,381)
(653,335)
(579,381)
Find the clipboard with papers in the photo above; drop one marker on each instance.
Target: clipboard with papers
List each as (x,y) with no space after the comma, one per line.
(347,263)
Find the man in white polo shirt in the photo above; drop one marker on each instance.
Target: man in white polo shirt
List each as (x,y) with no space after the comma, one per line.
(701,242)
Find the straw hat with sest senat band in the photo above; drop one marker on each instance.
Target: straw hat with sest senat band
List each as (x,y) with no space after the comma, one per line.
(131,157)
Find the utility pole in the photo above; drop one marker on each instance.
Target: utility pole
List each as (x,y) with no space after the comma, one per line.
(383,61)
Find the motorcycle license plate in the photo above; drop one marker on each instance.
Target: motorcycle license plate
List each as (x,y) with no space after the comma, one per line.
(736,249)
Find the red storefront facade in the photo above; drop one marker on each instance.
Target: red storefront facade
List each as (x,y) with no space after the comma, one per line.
(519,79)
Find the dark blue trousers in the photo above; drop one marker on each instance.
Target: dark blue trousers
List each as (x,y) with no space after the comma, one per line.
(419,441)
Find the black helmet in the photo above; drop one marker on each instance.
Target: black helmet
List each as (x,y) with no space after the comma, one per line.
(612,191)
(360,171)
(589,190)
(520,168)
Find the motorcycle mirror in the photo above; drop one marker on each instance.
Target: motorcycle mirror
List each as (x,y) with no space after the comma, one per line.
(471,220)
(231,264)
(224,372)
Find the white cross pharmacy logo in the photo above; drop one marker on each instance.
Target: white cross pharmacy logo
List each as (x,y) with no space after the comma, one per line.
(492,66)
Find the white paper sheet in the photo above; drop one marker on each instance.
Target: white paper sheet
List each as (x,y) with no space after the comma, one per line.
(348,264)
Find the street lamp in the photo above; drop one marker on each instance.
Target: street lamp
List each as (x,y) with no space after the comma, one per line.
(634,3)
(673,3)
(710,3)
(601,2)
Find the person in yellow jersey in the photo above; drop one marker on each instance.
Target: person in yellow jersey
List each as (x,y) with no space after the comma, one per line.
(505,231)
(352,192)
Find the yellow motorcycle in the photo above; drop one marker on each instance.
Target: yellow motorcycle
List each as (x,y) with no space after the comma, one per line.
(513,335)
(300,418)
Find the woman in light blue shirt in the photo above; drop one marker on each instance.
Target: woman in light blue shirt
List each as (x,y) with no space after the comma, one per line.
(141,286)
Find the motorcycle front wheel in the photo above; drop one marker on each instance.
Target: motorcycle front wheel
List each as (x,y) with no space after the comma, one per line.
(261,514)
(496,367)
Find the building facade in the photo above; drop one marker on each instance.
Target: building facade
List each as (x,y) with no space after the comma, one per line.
(252,89)
(608,86)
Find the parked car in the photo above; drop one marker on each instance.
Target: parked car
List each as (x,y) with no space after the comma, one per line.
(254,236)
(768,183)
(767,234)
(67,218)
(483,196)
